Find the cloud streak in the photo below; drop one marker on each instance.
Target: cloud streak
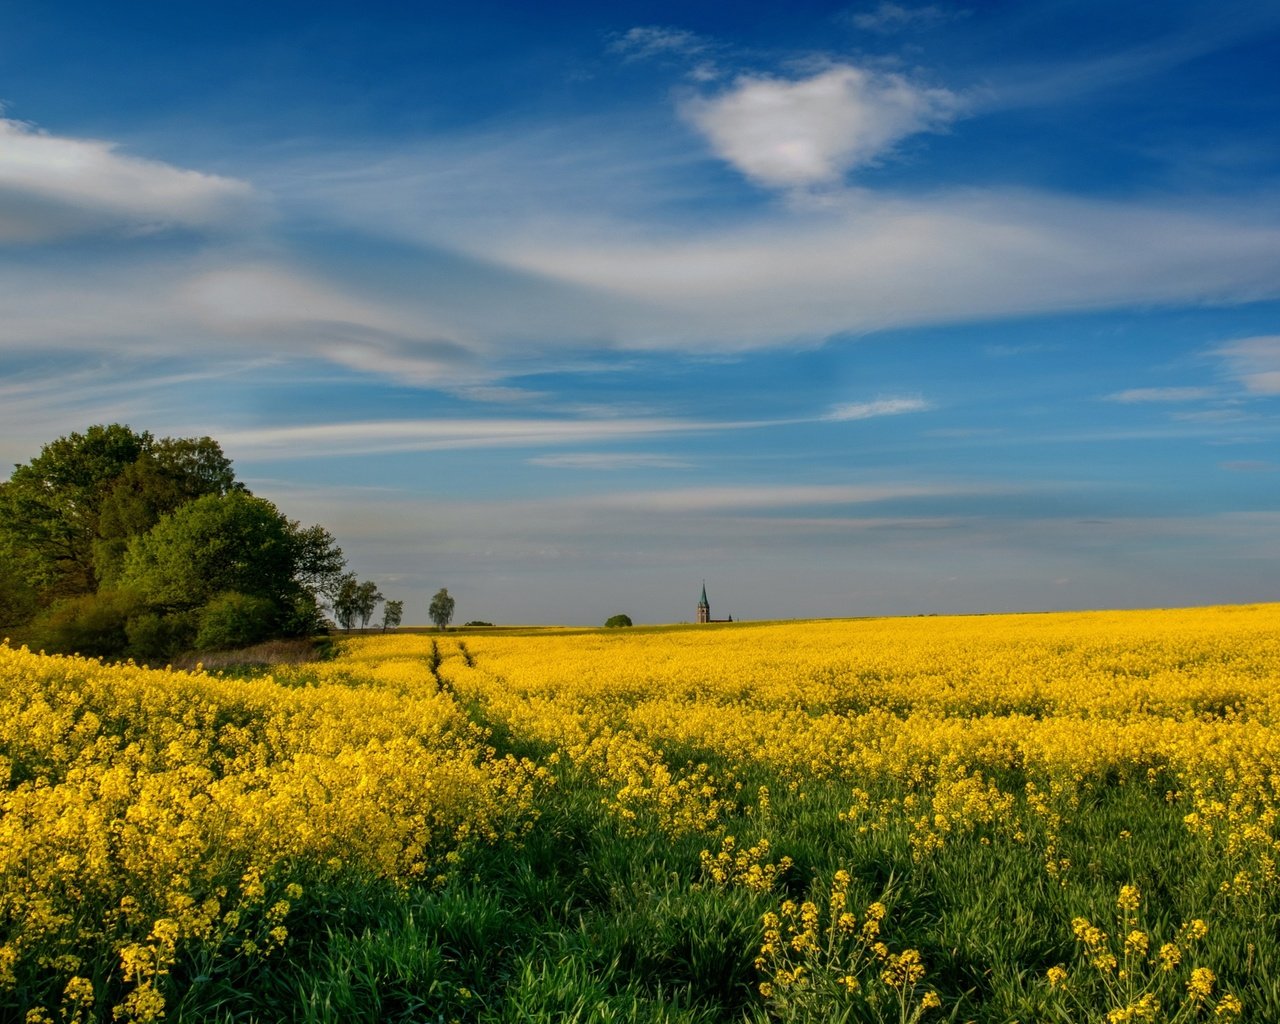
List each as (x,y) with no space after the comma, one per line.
(866,262)
(1142,395)
(1255,363)
(53,186)
(879,407)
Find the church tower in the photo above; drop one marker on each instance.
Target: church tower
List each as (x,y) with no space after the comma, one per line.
(704,607)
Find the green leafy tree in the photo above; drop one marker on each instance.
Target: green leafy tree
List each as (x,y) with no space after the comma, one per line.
(49,507)
(367,598)
(232,542)
(19,597)
(233,620)
(319,561)
(614,621)
(391,614)
(345,600)
(441,610)
(89,624)
(167,475)
(72,509)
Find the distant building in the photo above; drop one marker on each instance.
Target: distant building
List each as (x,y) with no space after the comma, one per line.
(704,608)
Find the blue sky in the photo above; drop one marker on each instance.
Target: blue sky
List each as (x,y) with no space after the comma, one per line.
(881,308)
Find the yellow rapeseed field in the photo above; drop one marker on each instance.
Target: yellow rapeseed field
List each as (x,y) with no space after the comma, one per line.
(153,815)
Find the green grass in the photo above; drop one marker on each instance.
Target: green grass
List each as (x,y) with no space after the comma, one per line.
(586,922)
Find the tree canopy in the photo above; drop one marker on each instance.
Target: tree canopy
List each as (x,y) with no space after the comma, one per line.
(72,508)
(441,610)
(115,542)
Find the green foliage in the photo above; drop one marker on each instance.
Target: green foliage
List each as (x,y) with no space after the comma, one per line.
(235,620)
(392,612)
(214,544)
(164,520)
(367,598)
(19,597)
(154,637)
(50,506)
(441,610)
(172,472)
(354,601)
(90,624)
(614,621)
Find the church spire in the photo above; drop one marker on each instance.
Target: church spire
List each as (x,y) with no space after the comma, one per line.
(704,606)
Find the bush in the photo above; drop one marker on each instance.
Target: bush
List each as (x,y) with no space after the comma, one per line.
(614,621)
(154,637)
(235,620)
(95,625)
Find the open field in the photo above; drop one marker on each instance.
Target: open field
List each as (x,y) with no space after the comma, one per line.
(1064,817)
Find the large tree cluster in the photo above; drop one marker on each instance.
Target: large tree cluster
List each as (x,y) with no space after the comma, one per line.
(117,543)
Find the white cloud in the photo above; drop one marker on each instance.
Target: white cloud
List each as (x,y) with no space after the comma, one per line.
(646,41)
(52,186)
(322,439)
(764,497)
(813,131)
(609,461)
(893,17)
(499,394)
(879,407)
(1255,363)
(253,299)
(1134,395)
(231,310)
(869,261)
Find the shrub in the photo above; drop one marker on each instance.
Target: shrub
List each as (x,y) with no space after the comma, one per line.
(154,637)
(92,624)
(618,620)
(235,620)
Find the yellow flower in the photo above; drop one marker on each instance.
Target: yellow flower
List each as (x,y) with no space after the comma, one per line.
(1200,986)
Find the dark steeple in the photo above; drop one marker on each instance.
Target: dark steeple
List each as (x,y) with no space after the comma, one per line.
(704,606)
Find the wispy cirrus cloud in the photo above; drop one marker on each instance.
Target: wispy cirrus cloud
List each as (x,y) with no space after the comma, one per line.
(796,133)
(878,407)
(236,310)
(747,498)
(609,461)
(868,261)
(643,42)
(327,439)
(1254,363)
(1173,394)
(52,186)
(889,17)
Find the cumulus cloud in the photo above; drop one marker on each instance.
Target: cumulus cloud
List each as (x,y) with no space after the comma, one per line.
(879,407)
(784,133)
(53,186)
(1135,395)
(1255,363)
